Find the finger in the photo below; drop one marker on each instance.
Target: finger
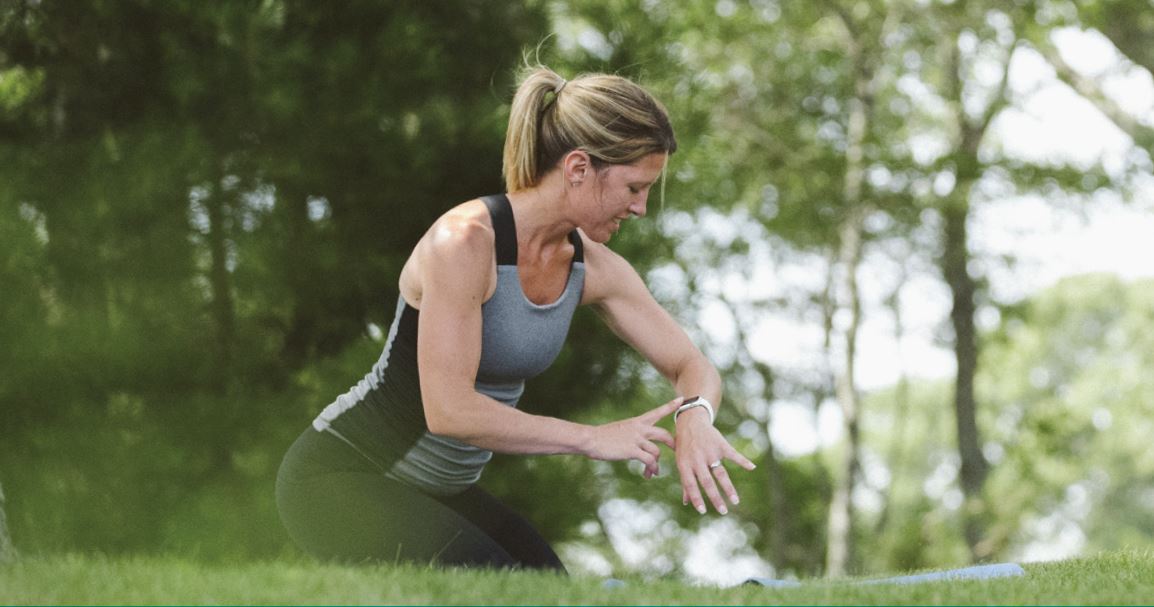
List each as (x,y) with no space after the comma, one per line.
(736,456)
(684,493)
(725,484)
(689,488)
(645,457)
(651,471)
(654,415)
(705,479)
(695,497)
(660,435)
(655,451)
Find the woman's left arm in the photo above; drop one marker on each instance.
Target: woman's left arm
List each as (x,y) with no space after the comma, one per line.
(620,296)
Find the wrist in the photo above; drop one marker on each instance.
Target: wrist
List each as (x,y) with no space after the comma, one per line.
(693,416)
(584,440)
(695,404)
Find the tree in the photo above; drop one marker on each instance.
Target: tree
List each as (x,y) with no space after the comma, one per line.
(1128,25)
(797,176)
(968,128)
(766,95)
(865,47)
(199,202)
(7,549)
(1070,409)
(917,525)
(1066,410)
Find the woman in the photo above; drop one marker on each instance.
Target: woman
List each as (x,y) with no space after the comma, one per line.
(388,470)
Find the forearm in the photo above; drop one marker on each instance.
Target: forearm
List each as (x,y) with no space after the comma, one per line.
(699,378)
(483,422)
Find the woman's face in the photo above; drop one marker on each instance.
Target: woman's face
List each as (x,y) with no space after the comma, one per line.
(619,191)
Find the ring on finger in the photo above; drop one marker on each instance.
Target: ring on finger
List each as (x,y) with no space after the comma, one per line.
(716,464)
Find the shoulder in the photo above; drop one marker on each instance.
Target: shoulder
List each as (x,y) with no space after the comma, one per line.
(465,228)
(607,273)
(455,254)
(601,257)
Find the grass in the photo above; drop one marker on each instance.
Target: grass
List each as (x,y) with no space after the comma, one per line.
(1116,578)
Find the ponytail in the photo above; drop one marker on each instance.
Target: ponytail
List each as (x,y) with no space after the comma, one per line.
(522,141)
(610,117)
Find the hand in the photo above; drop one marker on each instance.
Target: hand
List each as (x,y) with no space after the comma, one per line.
(700,450)
(634,438)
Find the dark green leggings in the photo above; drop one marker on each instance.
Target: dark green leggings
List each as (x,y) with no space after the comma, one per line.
(336,505)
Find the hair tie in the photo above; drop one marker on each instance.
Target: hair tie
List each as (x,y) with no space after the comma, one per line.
(557,89)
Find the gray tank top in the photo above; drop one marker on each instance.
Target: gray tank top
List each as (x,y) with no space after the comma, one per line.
(382,416)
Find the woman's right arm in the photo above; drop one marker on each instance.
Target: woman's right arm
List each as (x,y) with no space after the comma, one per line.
(455,261)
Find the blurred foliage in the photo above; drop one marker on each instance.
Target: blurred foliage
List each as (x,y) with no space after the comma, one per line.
(201,203)
(1072,404)
(1066,422)
(204,209)
(911,475)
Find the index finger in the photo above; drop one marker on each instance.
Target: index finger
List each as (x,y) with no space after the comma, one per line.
(657,433)
(736,456)
(653,415)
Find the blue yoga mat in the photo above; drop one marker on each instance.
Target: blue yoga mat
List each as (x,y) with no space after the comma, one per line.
(978,572)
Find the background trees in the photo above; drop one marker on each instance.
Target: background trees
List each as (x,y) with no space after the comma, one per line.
(204,209)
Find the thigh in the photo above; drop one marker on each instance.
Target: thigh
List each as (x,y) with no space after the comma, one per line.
(364,517)
(512,531)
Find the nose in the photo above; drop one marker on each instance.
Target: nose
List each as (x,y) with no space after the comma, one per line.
(637,208)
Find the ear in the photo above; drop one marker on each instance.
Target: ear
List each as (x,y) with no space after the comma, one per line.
(576,166)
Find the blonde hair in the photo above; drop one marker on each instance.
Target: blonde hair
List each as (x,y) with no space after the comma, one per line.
(611,118)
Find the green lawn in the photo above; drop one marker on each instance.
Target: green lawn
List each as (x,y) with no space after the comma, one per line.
(1118,578)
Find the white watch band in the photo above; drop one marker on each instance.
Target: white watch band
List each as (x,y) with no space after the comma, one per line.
(696,401)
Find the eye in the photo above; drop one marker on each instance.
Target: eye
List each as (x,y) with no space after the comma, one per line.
(634,190)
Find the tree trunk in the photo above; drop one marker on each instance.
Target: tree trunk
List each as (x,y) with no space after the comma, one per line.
(222,312)
(896,457)
(780,521)
(779,513)
(7,549)
(841,512)
(220,280)
(955,267)
(301,333)
(955,264)
(851,242)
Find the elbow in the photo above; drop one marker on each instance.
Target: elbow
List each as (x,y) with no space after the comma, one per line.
(441,424)
(438,417)
(446,421)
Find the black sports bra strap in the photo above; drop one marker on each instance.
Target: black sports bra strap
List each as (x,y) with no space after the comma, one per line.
(505,231)
(504,228)
(578,247)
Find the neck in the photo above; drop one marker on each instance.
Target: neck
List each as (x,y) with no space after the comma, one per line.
(540,213)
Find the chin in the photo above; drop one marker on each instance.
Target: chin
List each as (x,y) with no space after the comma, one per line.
(598,235)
